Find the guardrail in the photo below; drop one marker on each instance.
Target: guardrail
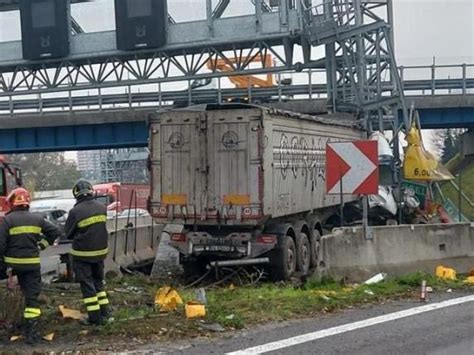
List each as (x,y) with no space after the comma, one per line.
(453,78)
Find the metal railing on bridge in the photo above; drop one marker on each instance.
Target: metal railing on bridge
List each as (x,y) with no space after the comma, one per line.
(418,80)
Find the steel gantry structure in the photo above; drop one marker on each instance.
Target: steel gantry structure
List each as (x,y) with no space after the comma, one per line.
(360,65)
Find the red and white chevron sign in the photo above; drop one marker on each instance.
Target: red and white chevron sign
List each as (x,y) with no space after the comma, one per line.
(355,165)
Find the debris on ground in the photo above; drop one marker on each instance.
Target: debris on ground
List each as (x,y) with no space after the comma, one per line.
(130,289)
(49,337)
(16,338)
(376,279)
(167,299)
(429,289)
(195,309)
(200,296)
(213,327)
(369,292)
(445,273)
(67,313)
(469,280)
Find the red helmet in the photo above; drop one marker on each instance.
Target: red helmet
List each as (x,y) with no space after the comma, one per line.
(19,197)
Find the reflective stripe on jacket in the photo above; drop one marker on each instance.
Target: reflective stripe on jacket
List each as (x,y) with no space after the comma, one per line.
(21,232)
(86,226)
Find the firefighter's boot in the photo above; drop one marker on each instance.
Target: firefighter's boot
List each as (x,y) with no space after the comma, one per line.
(32,332)
(105,315)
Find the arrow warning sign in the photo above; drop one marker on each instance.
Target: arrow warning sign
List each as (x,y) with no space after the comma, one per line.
(354,165)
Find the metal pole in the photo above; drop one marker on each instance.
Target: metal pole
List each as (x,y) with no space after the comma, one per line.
(397,162)
(258,13)
(342,196)
(136,219)
(219,91)
(159,94)
(365,216)
(210,20)
(433,77)
(460,198)
(464,79)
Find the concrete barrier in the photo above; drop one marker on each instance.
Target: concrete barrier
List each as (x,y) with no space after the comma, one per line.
(120,223)
(167,258)
(132,246)
(397,250)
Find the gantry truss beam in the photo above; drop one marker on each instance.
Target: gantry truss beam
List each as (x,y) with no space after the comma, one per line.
(356,35)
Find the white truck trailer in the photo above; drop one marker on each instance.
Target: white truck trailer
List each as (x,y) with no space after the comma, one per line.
(247,184)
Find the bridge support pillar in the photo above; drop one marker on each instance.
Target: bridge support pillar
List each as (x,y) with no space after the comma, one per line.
(468,143)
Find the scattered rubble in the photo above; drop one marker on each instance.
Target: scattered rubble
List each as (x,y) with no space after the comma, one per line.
(167,299)
(445,273)
(376,279)
(67,313)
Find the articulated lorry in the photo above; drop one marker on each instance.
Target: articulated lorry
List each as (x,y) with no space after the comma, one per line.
(120,196)
(247,184)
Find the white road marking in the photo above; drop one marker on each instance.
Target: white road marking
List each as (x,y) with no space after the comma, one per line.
(286,343)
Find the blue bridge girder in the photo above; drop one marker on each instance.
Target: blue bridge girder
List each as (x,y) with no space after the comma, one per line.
(78,137)
(127,127)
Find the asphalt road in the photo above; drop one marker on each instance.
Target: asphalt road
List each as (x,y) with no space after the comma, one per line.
(448,330)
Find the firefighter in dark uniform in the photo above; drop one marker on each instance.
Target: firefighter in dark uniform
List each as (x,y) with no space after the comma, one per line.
(86,227)
(22,234)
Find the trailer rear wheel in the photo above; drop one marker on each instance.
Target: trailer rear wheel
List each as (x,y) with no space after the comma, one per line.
(283,260)
(304,253)
(315,248)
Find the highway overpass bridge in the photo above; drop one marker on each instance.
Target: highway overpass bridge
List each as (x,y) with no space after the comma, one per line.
(100,97)
(127,127)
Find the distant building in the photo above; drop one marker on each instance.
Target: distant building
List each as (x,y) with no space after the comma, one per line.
(121,165)
(88,164)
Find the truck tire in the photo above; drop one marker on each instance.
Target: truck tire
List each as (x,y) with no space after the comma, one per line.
(303,257)
(283,260)
(315,243)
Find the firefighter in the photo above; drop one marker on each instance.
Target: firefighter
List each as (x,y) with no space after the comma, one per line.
(86,227)
(22,234)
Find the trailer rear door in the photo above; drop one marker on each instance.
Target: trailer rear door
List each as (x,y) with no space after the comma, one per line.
(206,167)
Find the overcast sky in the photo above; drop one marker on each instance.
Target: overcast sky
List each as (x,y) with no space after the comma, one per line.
(423,28)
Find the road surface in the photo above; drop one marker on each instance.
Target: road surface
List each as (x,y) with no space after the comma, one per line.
(443,326)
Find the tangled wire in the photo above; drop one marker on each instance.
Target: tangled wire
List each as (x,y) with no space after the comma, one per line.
(240,276)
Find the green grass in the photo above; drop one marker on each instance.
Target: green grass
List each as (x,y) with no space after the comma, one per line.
(466,169)
(233,308)
(270,302)
(454,163)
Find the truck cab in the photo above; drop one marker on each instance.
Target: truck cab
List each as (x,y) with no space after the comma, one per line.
(119,196)
(108,194)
